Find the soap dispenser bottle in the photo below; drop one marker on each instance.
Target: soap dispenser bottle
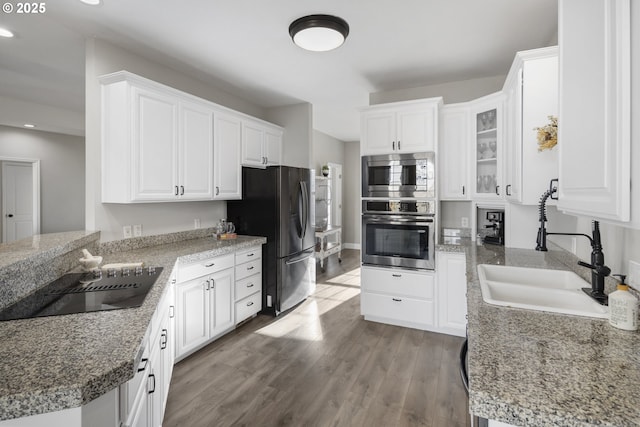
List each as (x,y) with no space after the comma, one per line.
(623,307)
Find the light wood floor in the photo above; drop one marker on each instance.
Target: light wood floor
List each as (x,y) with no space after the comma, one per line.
(321,364)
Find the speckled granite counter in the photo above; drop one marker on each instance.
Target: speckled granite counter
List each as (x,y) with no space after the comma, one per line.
(54,363)
(531,368)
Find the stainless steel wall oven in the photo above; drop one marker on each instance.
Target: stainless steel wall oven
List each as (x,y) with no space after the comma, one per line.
(399,175)
(398,233)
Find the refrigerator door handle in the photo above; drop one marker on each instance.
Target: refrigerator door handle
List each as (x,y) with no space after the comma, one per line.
(299,259)
(305,211)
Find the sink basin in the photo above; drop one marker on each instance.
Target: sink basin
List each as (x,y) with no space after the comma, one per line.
(555,291)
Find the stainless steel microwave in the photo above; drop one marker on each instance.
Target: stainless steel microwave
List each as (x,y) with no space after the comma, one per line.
(399,175)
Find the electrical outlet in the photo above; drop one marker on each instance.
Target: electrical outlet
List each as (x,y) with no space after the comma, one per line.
(196,223)
(464,221)
(137,230)
(634,274)
(126,231)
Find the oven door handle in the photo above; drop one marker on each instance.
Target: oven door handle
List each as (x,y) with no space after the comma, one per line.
(396,219)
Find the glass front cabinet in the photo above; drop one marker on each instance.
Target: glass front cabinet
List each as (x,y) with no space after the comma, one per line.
(487,123)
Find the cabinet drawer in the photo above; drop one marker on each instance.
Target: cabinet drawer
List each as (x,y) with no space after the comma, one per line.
(248,285)
(398,308)
(398,282)
(248,306)
(248,269)
(247,255)
(202,268)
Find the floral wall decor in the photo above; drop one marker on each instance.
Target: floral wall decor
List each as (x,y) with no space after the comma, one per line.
(548,134)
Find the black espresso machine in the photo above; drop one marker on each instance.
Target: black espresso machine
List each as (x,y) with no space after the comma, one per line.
(496,225)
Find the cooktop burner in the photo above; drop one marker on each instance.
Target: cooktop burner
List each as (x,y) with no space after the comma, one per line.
(85,292)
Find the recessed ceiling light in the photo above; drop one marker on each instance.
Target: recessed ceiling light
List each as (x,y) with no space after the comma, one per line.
(5,33)
(319,33)
(29,125)
(91,2)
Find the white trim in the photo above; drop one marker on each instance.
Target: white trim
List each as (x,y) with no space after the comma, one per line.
(351,246)
(35,168)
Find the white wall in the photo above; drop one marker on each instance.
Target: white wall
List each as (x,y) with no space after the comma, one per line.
(452,92)
(326,149)
(156,218)
(351,193)
(62,172)
(297,150)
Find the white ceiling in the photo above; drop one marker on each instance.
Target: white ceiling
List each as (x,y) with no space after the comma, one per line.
(243,47)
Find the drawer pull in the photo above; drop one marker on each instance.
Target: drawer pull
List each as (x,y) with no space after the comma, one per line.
(251,254)
(250,303)
(163,339)
(210,265)
(250,285)
(152,376)
(250,268)
(397,275)
(145,361)
(396,299)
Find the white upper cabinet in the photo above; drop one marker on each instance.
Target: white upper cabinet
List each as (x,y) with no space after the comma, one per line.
(487,124)
(160,144)
(531,91)
(400,127)
(595,115)
(226,158)
(261,144)
(195,152)
(454,152)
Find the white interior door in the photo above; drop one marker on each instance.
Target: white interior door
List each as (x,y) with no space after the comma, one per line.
(17,201)
(335,173)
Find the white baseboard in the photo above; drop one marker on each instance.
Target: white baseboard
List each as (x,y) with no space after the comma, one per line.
(351,246)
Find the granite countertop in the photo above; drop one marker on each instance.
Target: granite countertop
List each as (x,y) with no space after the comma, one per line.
(54,363)
(531,368)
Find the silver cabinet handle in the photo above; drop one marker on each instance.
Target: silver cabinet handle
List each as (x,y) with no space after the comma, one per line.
(210,265)
(251,254)
(393,145)
(213,284)
(154,383)
(172,312)
(208,285)
(398,144)
(182,190)
(217,190)
(176,190)
(397,299)
(497,190)
(250,268)
(508,189)
(250,303)
(143,367)
(250,285)
(397,275)
(463,190)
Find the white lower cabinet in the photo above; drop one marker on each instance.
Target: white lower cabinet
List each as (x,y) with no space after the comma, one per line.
(398,297)
(204,303)
(144,397)
(452,293)
(433,301)
(248,285)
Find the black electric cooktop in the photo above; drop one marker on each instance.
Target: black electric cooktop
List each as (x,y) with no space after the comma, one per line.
(85,292)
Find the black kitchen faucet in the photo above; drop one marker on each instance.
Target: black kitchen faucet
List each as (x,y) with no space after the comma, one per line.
(598,269)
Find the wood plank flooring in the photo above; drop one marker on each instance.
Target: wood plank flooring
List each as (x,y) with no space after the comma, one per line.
(321,364)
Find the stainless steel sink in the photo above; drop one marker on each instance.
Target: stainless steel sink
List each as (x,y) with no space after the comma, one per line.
(555,291)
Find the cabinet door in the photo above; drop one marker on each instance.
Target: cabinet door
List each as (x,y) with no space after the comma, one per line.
(416,131)
(273,147)
(196,152)
(594,121)
(193,314)
(252,145)
(155,393)
(486,124)
(222,302)
(155,146)
(512,152)
(454,148)
(452,293)
(227,170)
(378,133)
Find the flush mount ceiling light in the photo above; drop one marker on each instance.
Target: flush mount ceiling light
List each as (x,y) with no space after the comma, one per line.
(5,33)
(319,33)
(91,2)
(29,125)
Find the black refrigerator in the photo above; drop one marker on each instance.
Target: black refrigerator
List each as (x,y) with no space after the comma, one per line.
(278,203)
